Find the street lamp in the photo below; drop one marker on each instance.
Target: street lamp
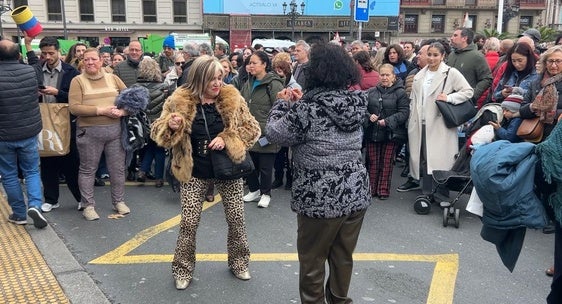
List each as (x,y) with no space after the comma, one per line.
(293,13)
(4,7)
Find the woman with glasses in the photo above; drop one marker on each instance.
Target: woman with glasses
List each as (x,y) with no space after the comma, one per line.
(519,73)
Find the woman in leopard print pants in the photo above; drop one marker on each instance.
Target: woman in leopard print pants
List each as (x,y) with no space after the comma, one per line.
(200,116)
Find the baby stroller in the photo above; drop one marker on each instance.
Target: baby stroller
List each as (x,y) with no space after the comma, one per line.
(458,178)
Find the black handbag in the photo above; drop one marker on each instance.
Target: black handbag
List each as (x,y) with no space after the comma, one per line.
(455,115)
(223,167)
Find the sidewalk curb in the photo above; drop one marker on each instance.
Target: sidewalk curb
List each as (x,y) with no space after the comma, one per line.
(77,285)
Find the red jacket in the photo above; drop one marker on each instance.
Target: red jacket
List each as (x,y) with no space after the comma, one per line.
(368,80)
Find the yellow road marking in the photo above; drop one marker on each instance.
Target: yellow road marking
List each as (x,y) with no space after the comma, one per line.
(441,289)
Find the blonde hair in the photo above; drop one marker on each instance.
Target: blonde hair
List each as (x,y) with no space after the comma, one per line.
(283,56)
(379,57)
(150,70)
(232,69)
(544,56)
(491,44)
(201,72)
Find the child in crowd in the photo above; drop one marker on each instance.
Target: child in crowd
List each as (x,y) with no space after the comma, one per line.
(508,128)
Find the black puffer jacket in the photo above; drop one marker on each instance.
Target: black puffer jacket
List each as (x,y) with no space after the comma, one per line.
(158,92)
(128,71)
(391,104)
(19,108)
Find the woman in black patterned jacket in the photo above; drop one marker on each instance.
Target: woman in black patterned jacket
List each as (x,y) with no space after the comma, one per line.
(330,190)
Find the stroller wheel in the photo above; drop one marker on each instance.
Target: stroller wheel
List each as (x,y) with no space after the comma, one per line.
(445,216)
(457,218)
(422,205)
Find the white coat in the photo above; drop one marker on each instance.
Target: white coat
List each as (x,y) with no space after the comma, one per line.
(441,142)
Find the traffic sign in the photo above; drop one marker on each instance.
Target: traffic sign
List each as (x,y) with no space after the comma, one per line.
(361,10)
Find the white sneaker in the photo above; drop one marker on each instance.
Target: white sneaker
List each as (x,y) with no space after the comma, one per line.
(46,207)
(80,206)
(264,201)
(252,196)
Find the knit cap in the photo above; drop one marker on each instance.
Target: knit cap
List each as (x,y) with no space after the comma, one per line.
(169,42)
(512,103)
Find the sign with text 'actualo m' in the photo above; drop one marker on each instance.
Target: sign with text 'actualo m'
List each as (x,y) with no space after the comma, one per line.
(311,8)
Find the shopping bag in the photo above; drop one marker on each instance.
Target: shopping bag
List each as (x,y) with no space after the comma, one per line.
(54,138)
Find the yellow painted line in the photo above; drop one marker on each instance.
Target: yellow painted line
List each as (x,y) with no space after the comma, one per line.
(441,289)
(119,254)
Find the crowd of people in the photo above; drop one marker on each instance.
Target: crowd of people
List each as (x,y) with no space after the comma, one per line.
(326,120)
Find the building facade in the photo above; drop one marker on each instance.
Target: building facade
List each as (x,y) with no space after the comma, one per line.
(109,22)
(116,22)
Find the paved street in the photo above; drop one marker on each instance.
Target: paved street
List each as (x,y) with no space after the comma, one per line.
(401,257)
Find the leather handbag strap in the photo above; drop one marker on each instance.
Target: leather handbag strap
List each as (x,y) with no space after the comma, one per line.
(445,81)
(205,119)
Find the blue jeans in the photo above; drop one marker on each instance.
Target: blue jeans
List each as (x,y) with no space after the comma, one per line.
(156,153)
(22,153)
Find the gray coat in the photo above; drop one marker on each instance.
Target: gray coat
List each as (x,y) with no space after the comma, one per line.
(324,131)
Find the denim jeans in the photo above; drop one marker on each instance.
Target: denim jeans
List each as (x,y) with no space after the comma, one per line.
(156,153)
(22,153)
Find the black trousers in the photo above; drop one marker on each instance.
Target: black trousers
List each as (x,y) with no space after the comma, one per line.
(281,162)
(51,167)
(555,296)
(331,240)
(261,178)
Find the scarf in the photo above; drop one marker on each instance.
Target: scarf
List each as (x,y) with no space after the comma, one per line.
(551,161)
(547,100)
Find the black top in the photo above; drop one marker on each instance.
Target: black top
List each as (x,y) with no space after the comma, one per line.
(202,167)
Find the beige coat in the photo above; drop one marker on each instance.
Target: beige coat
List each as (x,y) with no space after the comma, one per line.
(241,130)
(441,142)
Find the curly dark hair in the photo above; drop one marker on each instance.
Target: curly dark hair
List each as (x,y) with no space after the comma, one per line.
(330,67)
(398,49)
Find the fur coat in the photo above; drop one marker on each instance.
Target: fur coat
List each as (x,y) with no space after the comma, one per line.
(241,130)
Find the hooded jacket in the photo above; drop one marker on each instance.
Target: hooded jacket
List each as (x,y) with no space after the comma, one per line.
(503,174)
(260,101)
(241,130)
(474,67)
(324,130)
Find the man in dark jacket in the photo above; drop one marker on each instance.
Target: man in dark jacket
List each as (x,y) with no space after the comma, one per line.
(20,122)
(56,77)
(470,62)
(301,62)
(128,70)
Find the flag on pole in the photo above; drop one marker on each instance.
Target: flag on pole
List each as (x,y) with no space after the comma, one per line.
(337,37)
(467,22)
